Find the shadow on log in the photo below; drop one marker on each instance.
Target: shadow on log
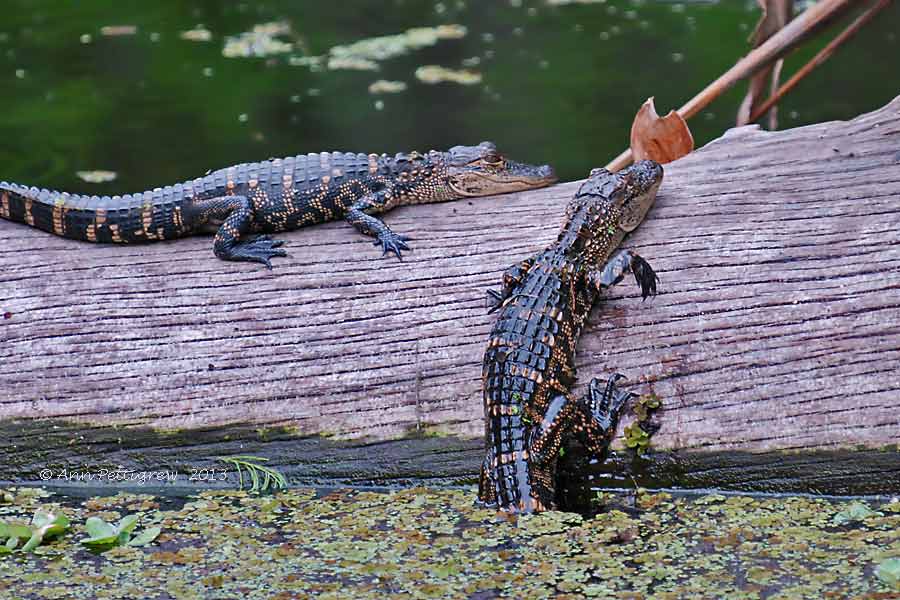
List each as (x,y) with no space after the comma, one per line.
(773,345)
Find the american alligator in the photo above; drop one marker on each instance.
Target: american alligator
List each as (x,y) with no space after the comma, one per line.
(277,195)
(529,364)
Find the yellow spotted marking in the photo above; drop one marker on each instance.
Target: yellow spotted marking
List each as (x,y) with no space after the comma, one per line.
(336,172)
(326,179)
(91,232)
(29,217)
(4,205)
(373,163)
(179,223)
(59,212)
(229,176)
(253,183)
(114,230)
(287,181)
(147,219)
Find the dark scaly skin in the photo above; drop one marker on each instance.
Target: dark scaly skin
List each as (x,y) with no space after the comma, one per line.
(529,364)
(277,195)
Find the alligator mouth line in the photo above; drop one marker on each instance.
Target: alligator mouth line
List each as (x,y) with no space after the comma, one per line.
(528,182)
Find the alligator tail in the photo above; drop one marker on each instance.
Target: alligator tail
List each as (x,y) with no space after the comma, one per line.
(154,215)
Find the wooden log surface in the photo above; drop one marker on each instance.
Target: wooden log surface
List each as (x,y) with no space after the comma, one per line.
(777,326)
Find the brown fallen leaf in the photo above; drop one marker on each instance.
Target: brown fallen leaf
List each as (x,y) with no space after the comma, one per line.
(775,15)
(662,139)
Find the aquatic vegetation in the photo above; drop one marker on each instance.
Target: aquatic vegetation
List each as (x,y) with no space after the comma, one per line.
(260,41)
(366,54)
(388,46)
(855,511)
(104,536)
(638,433)
(197,34)
(262,478)
(387,87)
(45,524)
(436,543)
(636,438)
(438,74)
(889,572)
(97,176)
(118,30)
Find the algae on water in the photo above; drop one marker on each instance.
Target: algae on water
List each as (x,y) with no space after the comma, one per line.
(438,543)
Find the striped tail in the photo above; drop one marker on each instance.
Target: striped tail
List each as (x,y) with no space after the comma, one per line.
(154,215)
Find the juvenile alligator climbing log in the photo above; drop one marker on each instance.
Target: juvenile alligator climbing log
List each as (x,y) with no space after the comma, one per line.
(772,343)
(529,363)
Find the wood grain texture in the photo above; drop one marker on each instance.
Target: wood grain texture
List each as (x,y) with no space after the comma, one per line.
(777,326)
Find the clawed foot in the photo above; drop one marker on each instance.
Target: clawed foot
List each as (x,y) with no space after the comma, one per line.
(606,400)
(259,249)
(391,242)
(494,300)
(645,276)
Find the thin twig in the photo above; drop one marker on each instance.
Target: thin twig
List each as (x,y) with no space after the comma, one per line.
(772,49)
(823,55)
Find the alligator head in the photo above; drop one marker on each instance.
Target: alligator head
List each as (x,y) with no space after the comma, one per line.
(636,191)
(482,171)
(607,206)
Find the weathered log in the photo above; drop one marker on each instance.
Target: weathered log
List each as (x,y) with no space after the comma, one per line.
(773,344)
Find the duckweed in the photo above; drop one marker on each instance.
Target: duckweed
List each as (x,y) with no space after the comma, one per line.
(426,543)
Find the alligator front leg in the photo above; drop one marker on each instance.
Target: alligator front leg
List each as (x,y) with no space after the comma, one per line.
(360,216)
(512,277)
(615,269)
(236,215)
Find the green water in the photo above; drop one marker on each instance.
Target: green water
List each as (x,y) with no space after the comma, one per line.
(560,84)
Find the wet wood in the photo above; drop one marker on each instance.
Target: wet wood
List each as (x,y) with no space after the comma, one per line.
(777,327)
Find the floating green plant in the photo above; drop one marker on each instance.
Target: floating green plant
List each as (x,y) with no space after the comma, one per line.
(646,405)
(104,536)
(855,511)
(45,524)
(889,572)
(636,438)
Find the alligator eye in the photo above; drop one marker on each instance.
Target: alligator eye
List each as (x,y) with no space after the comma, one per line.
(493,159)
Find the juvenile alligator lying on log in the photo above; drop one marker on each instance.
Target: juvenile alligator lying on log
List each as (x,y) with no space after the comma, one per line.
(529,364)
(772,343)
(277,195)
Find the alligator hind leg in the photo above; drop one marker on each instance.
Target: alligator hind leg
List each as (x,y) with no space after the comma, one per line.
(602,406)
(236,215)
(593,416)
(617,266)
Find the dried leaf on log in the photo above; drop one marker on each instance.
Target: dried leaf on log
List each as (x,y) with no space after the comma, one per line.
(662,139)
